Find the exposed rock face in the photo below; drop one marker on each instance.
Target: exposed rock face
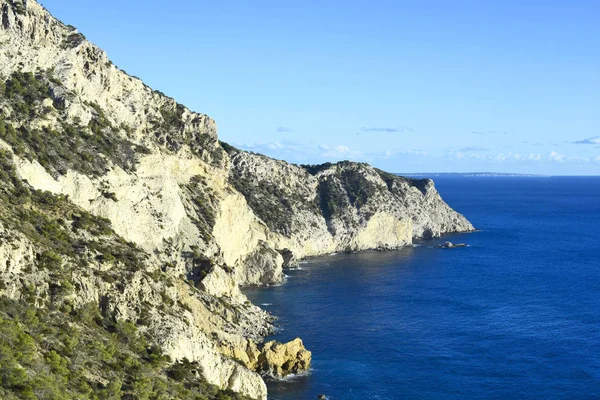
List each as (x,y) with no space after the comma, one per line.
(205,216)
(272,358)
(280,360)
(316,210)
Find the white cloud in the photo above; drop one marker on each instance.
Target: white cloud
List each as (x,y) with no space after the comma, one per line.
(313,153)
(336,153)
(474,148)
(400,129)
(283,129)
(277,145)
(592,140)
(556,157)
(498,157)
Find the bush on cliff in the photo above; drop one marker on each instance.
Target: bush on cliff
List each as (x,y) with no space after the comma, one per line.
(50,349)
(55,355)
(85,149)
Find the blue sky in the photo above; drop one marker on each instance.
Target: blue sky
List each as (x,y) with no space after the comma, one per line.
(409,86)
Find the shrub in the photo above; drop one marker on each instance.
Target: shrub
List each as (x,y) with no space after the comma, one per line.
(73,40)
(46,354)
(85,149)
(49,260)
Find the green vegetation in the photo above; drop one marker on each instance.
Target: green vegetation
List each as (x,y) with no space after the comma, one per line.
(82,354)
(172,117)
(388,178)
(275,204)
(207,143)
(314,169)
(18,6)
(24,90)
(57,225)
(204,203)
(330,198)
(73,40)
(109,195)
(347,186)
(202,266)
(228,148)
(269,202)
(86,149)
(90,148)
(358,188)
(169,133)
(49,349)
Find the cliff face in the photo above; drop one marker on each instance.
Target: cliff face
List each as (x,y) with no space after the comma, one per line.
(347,206)
(202,217)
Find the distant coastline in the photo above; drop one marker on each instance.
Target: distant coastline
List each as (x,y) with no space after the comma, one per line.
(472,174)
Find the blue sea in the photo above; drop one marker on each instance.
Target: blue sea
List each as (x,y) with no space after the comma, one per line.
(516,315)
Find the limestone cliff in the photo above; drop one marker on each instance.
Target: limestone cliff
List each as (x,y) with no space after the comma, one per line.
(202,218)
(312,210)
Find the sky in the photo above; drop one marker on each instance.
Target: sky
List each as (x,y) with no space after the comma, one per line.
(408,86)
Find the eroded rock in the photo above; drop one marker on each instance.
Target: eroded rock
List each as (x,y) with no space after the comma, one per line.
(282,359)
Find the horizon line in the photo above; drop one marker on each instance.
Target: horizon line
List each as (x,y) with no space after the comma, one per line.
(513,174)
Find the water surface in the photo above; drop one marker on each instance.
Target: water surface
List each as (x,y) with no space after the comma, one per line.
(516,315)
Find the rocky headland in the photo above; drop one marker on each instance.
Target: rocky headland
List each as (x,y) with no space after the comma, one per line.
(127,224)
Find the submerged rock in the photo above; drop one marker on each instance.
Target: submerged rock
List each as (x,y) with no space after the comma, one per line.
(450,245)
(282,359)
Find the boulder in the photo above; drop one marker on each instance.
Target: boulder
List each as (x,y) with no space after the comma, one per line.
(282,359)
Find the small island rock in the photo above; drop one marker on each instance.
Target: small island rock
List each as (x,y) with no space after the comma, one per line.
(450,245)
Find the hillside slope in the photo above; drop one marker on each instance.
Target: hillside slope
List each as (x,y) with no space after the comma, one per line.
(117,198)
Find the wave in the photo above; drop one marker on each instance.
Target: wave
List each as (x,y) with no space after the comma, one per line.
(290,377)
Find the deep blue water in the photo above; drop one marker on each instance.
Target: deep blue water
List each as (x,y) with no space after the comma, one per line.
(514,316)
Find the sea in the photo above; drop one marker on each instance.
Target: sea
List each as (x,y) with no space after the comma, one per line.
(515,315)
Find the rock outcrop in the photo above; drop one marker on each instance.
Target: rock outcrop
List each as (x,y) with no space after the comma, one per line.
(450,245)
(313,210)
(283,359)
(273,359)
(201,217)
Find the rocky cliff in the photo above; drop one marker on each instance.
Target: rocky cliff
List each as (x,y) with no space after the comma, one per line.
(116,197)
